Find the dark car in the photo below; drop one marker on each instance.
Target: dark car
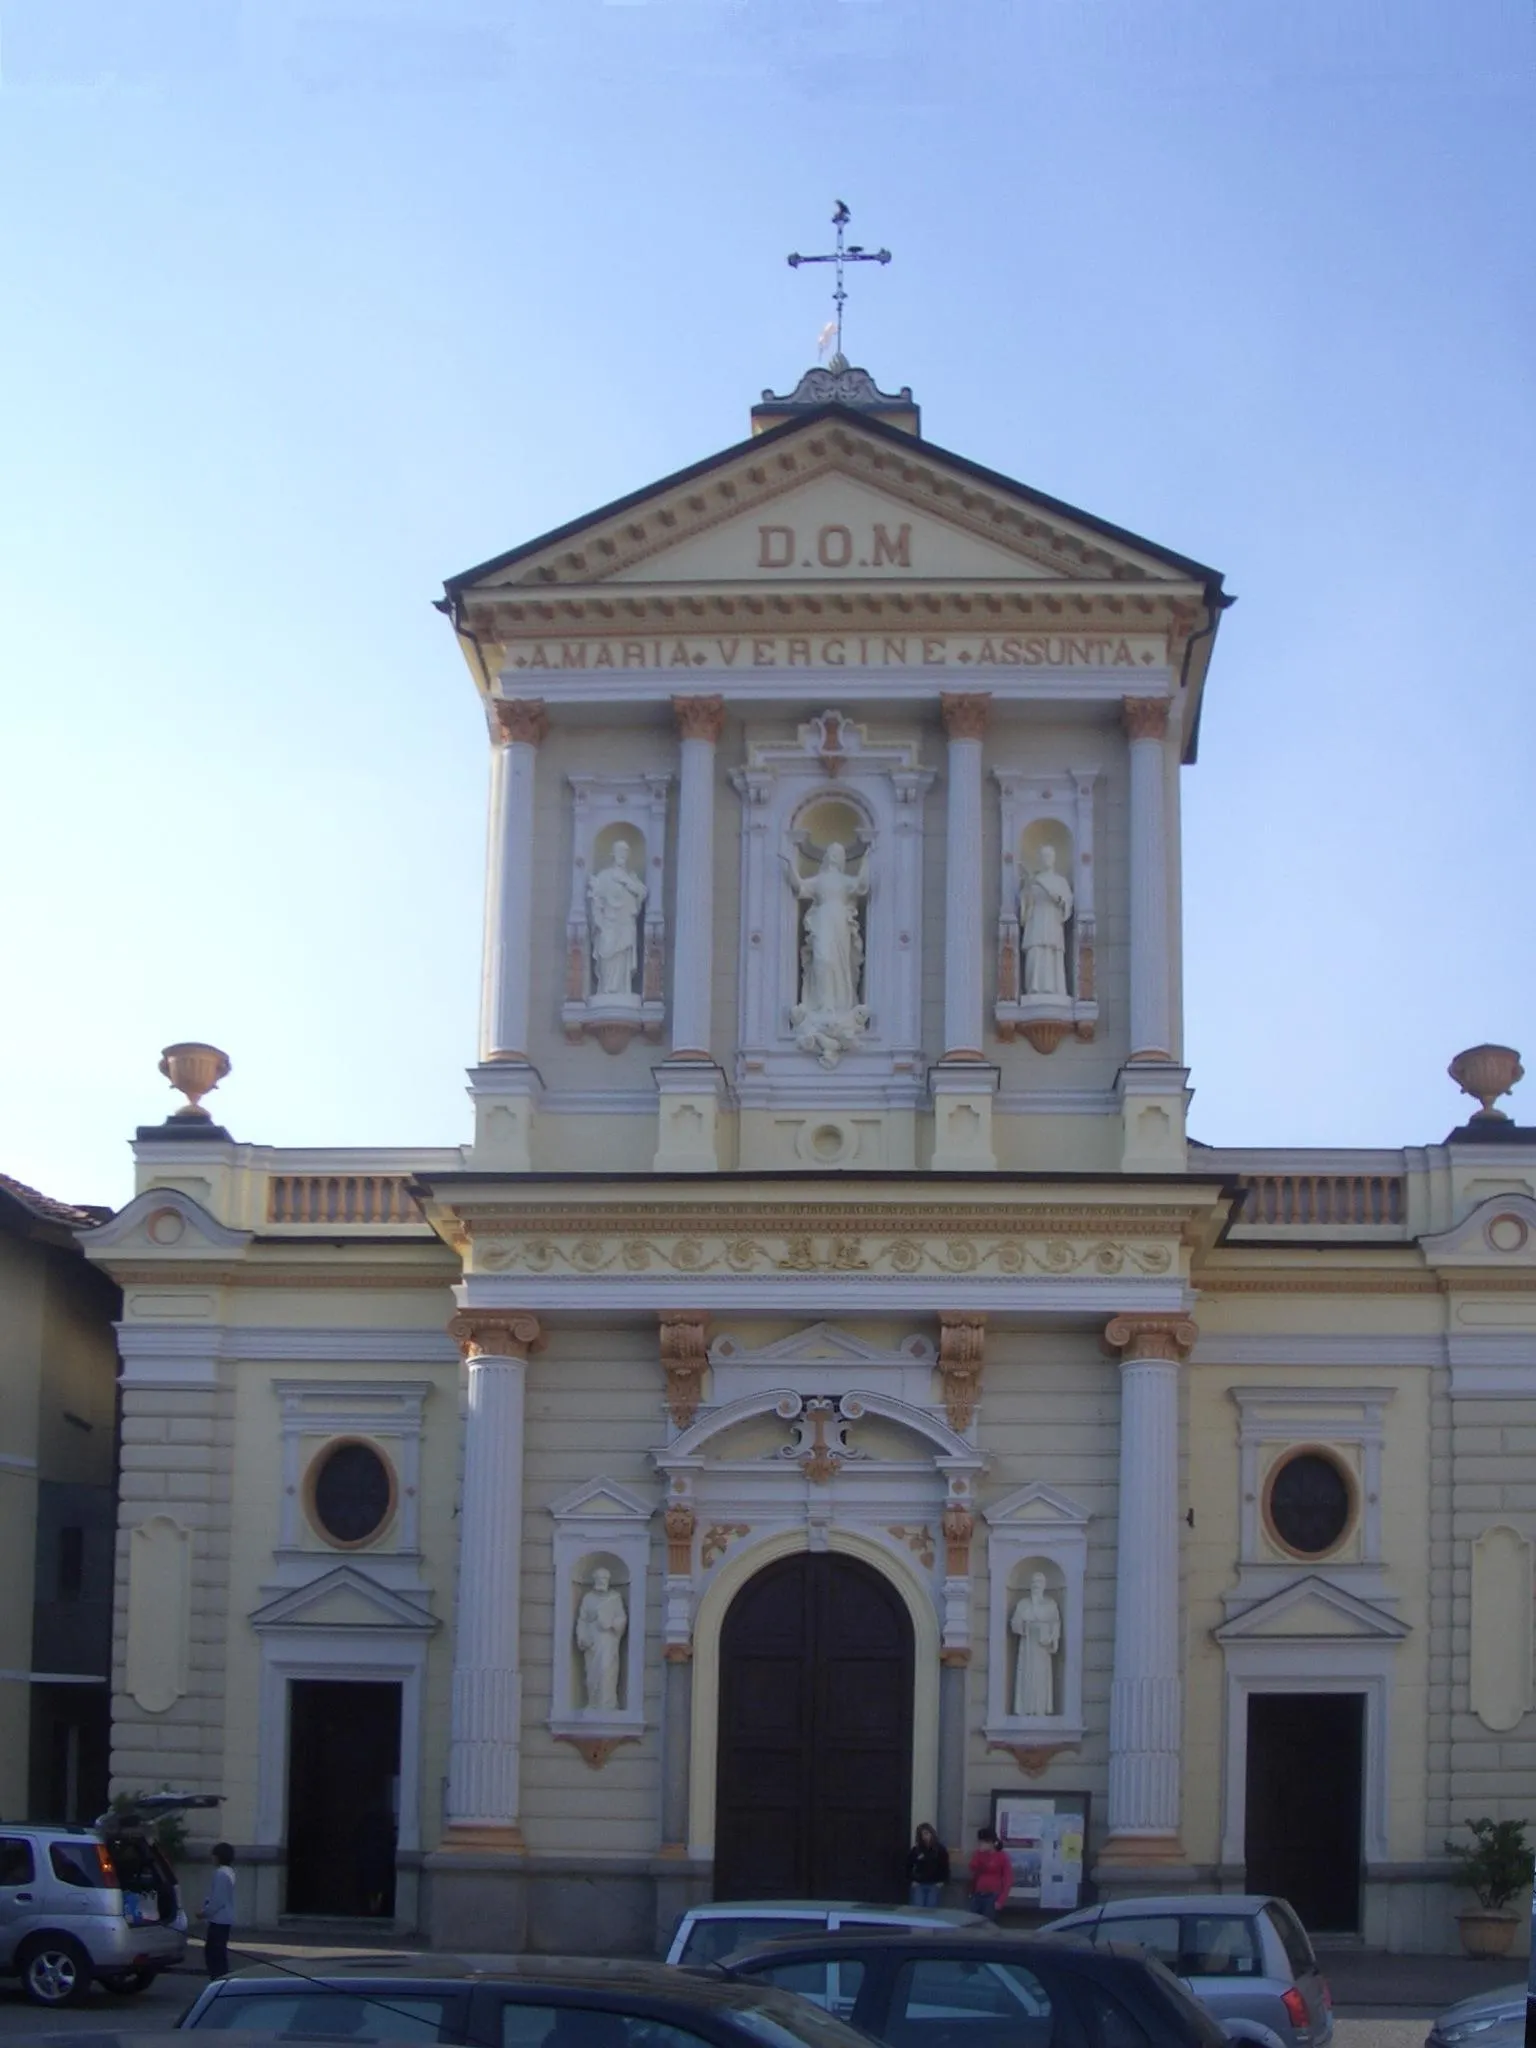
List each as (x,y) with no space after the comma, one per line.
(519,2002)
(986,1991)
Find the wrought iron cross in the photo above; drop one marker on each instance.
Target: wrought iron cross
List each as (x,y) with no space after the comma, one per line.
(841,255)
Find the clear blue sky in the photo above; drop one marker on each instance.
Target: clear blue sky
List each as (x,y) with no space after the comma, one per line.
(314,302)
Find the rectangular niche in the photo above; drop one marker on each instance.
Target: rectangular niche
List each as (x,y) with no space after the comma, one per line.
(601,1528)
(1033,1534)
(1046,993)
(615,932)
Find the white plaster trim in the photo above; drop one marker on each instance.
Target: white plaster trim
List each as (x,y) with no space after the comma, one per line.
(598,1102)
(1369,1622)
(340,1347)
(387,1412)
(727,1582)
(1316,1351)
(1332,1664)
(1057,1102)
(1302,1415)
(826,1293)
(864,685)
(396,1614)
(9,1462)
(217,1238)
(1225,1159)
(53,1678)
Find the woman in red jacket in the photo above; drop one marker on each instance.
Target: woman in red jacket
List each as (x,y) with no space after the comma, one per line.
(991,1875)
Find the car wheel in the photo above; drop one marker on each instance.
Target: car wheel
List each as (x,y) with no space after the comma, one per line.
(130,1980)
(54,1970)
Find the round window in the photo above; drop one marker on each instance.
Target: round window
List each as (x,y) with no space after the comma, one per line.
(351,1493)
(1310,1503)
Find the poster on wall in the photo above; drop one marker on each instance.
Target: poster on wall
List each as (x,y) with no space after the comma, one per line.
(1043,1835)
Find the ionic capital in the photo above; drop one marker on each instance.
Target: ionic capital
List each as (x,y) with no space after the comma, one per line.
(965,713)
(1166,1338)
(496,1332)
(520,721)
(684,1359)
(962,1354)
(699,718)
(1146,718)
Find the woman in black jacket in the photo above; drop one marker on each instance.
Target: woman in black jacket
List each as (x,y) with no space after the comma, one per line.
(927,1867)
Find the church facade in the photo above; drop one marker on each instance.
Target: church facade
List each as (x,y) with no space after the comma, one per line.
(830,1390)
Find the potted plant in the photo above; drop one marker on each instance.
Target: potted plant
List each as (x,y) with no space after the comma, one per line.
(1495,1868)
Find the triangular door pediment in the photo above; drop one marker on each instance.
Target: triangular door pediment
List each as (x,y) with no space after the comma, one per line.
(345,1598)
(862,504)
(1308,1609)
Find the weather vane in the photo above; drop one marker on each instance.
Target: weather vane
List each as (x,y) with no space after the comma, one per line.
(841,255)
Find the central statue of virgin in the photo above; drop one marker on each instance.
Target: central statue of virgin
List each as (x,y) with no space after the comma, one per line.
(830,1014)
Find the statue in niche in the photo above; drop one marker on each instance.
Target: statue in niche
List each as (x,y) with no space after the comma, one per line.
(1045,904)
(1036,1622)
(615,897)
(601,1620)
(829,1015)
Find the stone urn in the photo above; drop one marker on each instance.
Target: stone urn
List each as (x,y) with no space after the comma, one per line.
(1488,1932)
(1487,1072)
(195,1070)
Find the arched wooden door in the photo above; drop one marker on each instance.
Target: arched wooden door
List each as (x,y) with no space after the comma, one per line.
(814,1773)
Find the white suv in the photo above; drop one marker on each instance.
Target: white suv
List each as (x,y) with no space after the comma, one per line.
(706,1933)
(78,1903)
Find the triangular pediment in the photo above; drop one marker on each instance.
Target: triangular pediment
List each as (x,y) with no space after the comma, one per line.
(833,499)
(345,1598)
(601,1499)
(1307,1610)
(822,1344)
(1036,1504)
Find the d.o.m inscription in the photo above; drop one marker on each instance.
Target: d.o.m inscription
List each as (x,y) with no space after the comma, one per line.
(834,547)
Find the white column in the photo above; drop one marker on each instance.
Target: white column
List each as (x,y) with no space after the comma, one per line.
(1146,725)
(699,722)
(483,1754)
(1146,1694)
(518,726)
(965,721)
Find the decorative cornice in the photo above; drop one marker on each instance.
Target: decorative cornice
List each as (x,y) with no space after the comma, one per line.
(520,721)
(1146,718)
(699,718)
(962,1355)
(965,713)
(684,1358)
(1167,1338)
(496,1332)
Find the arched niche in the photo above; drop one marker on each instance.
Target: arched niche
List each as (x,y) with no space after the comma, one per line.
(604,810)
(1039,811)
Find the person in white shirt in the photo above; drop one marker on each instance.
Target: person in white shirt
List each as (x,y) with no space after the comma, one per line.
(219,1910)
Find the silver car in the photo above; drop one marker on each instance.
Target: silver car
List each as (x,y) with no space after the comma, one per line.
(706,1933)
(84,1903)
(1247,1960)
(1491,2019)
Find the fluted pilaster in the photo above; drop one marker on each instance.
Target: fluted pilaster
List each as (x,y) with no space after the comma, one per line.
(484,1750)
(1146,1695)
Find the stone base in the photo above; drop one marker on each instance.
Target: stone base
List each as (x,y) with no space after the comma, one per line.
(962,1117)
(505,1094)
(1154,1099)
(1128,1865)
(687,1131)
(494,1840)
(482,1903)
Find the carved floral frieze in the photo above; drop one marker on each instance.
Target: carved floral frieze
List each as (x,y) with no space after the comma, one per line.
(587,1254)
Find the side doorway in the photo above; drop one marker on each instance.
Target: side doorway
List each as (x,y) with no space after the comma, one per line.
(343,1797)
(1304,1804)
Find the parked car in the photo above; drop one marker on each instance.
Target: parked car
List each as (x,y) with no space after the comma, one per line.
(1493,2019)
(83,1903)
(993,1990)
(706,1933)
(519,2002)
(1247,1958)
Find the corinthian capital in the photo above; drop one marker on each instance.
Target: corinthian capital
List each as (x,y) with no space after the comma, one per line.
(522,720)
(496,1332)
(1168,1338)
(965,713)
(699,718)
(1146,718)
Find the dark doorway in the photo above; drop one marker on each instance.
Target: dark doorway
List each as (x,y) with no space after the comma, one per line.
(343,1797)
(1306,1758)
(814,1784)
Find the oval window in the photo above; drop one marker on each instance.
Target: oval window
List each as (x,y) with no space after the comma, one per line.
(352,1493)
(1310,1503)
